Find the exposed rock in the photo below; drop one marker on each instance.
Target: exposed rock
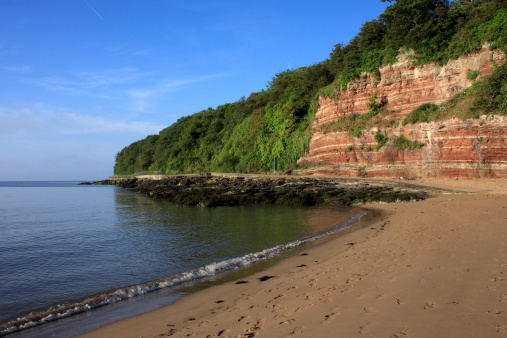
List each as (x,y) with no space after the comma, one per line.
(292,191)
(454,148)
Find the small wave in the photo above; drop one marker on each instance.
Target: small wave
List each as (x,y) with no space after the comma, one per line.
(66,310)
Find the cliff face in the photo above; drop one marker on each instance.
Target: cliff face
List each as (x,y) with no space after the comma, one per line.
(454,148)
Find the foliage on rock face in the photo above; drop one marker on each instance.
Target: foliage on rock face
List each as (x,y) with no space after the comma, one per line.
(381,139)
(402,143)
(487,96)
(244,136)
(354,123)
(373,106)
(423,113)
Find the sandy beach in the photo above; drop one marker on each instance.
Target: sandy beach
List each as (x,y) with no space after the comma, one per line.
(435,268)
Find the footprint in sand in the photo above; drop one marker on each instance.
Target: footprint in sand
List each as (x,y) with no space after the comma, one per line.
(368,309)
(172,332)
(501,328)
(222,332)
(328,318)
(400,333)
(429,306)
(494,312)
(265,278)
(298,330)
(366,328)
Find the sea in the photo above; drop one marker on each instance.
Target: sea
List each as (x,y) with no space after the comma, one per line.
(75,257)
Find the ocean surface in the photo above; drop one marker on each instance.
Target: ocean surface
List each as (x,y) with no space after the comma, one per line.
(66,250)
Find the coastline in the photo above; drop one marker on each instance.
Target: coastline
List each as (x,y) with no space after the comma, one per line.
(434,267)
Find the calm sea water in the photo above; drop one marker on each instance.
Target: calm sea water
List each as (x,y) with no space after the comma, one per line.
(62,243)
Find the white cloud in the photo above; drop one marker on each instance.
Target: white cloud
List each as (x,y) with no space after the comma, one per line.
(168,86)
(95,83)
(133,90)
(40,119)
(24,70)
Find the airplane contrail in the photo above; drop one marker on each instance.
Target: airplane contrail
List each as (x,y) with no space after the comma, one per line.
(93,9)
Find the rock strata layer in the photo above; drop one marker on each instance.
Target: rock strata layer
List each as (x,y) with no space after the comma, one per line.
(453,148)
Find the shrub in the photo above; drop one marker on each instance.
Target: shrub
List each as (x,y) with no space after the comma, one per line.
(381,139)
(373,107)
(402,143)
(472,74)
(423,113)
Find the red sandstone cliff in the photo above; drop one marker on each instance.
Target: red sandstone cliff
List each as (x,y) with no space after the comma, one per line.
(454,148)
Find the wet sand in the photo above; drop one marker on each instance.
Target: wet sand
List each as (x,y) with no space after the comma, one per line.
(432,268)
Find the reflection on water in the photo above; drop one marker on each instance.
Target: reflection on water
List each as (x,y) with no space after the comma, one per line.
(164,239)
(131,239)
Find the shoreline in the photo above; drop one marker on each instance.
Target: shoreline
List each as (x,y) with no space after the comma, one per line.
(221,271)
(437,268)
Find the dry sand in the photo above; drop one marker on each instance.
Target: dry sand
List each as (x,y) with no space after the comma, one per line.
(436,268)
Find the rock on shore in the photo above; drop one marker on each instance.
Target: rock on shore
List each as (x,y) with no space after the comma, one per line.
(214,191)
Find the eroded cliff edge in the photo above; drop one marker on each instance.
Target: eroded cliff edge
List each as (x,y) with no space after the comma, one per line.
(451,148)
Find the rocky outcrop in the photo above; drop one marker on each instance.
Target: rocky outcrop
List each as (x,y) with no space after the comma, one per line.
(453,148)
(206,191)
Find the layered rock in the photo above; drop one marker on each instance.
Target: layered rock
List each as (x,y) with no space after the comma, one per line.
(453,148)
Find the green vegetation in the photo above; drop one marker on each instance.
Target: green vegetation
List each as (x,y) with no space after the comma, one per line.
(373,107)
(423,113)
(401,143)
(381,139)
(432,30)
(472,74)
(487,96)
(244,136)
(354,124)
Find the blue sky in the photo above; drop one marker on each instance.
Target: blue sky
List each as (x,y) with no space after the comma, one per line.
(82,79)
